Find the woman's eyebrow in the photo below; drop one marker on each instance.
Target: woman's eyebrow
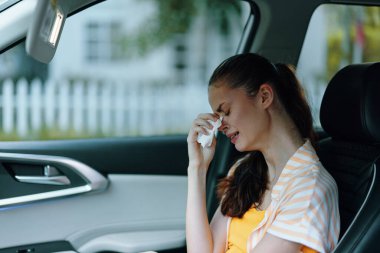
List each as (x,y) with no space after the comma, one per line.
(219,109)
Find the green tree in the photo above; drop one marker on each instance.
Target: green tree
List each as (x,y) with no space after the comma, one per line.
(347,25)
(176,17)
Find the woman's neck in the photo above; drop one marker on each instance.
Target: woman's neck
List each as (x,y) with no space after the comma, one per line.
(283,143)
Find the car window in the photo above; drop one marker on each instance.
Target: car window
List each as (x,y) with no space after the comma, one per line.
(122,68)
(337,36)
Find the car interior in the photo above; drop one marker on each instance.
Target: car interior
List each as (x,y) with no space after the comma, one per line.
(128,194)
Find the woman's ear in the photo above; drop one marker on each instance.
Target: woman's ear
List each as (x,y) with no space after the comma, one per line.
(266,95)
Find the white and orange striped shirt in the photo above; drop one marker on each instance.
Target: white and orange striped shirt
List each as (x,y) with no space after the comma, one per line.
(304,206)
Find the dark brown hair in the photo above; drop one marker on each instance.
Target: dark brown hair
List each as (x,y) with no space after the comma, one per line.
(246,186)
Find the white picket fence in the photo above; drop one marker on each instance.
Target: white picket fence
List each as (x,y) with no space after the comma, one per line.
(103,108)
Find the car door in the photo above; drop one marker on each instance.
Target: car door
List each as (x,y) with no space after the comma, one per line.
(134,205)
(90,162)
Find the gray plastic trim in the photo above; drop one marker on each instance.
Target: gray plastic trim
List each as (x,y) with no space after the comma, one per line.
(14,22)
(95,181)
(6,4)
(138,241)
(55,180)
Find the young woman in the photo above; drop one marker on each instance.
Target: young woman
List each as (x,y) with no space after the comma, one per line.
(277,198)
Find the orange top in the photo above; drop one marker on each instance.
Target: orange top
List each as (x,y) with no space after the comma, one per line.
(241,228)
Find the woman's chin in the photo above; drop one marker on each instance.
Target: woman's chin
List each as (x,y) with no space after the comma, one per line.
(240,148)
(244,148)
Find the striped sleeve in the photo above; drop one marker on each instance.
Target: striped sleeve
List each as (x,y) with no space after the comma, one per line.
(308,213)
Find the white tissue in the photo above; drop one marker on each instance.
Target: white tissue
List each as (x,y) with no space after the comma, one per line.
(206,140)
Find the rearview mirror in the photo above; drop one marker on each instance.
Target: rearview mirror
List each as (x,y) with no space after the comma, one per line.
(45,29)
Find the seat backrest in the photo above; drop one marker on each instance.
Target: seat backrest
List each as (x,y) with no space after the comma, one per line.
(350,114)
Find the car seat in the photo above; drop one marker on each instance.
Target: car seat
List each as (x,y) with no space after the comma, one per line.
(350,114)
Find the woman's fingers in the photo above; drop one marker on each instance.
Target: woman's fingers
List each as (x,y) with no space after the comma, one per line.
(200,129)
(203,120)
(201,125)
(208,116)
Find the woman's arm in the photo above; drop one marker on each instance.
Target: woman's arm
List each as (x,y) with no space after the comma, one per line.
(219,231)
(274,244)
(200,236)
(198,232)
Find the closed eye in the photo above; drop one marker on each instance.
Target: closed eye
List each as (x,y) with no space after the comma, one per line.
(226,113)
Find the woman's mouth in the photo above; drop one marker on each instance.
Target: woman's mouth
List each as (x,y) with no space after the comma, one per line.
(234,137)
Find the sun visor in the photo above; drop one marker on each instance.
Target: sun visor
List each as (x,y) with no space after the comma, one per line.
(45,29)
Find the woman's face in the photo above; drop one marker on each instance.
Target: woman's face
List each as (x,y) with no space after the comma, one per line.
(245,119)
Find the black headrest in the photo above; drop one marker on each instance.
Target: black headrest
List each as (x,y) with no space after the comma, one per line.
(350,107)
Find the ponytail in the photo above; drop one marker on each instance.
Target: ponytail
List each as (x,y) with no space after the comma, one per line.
(293,98)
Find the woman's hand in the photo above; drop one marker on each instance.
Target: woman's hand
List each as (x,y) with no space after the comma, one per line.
(199,157)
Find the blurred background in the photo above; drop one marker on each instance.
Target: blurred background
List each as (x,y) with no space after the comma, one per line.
(141,68)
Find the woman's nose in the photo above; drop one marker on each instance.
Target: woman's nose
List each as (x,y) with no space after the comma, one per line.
(223,127)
